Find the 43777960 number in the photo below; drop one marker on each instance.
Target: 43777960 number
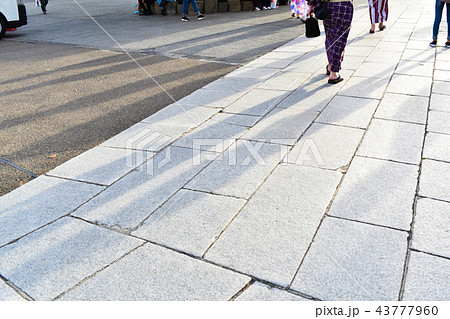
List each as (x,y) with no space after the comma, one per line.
(407,310)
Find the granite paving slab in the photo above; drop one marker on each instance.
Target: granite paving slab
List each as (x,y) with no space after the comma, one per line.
(349,111)
(40,202)
(431,228)
(352,62)
(287,55)
(440,87)
(427,278)
(377,192)
(240,170)
(56,257)
(213,136)
(353,50)
(392,46)
(252,73)
(391,140)
(418,55)
(375,70)
(231,85)
(442,75)
(442,65)
(434,180)
(269,63)
(285,81)
(353,261)
(292,216)
(8,294)
(129,201)
(408,84)
(310,97)
(256,102)
(180,115)
(406,108)
(236,119)
(101,165)
(155,273)
(417,45)
(281,126)
(377,56)
(333,146)
(213,98)
(415,68)
(439,102)
(260,292)
(438,122)
(190,221)
(365,87)
(147,137)
(437,147)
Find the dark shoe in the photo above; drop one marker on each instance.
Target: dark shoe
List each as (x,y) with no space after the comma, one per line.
(185,19)
(328,71)
(447,44)
(433,43)
(200,17)
(371,31)
(382,28)
(44,8)
(143,13)
(335,81)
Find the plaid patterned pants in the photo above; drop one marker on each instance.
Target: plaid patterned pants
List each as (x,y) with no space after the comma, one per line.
(337,27)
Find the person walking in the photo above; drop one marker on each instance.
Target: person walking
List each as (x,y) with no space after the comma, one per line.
(437,21)
(337,27)
(44,4)
(299,8)
(145,7)
(185,9)
(378,10)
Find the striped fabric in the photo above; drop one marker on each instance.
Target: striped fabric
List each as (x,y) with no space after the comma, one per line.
(378,10)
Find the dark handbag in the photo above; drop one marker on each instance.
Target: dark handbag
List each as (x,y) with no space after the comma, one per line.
(312,28)
(321,12)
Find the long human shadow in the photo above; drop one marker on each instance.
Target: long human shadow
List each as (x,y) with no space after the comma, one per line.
(217,126)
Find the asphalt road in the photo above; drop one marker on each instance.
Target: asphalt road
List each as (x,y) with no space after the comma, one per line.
(68,82)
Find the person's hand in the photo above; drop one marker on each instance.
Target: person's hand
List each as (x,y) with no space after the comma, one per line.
(310,10)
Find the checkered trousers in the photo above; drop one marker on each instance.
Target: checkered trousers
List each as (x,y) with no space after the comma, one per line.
(337,27)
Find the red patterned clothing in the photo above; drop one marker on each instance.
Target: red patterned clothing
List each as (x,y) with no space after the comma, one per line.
(378,10)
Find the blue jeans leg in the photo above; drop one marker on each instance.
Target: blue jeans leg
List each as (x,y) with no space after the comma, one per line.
(438,17)
(185,6)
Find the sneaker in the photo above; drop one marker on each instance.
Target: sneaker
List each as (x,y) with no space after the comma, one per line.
(264,8)
(257,9)
(200,17)
(185,19)
(433,43)
(447,44)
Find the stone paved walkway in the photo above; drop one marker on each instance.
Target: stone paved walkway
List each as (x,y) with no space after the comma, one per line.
(267,184)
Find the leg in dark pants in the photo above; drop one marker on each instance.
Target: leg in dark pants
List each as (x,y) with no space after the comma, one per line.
(44,6)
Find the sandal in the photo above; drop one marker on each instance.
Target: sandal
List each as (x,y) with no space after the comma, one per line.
(335,81)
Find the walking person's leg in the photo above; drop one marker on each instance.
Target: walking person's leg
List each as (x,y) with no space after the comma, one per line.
(383,13)
(194,5)
(44,6)
(447,44)
(437,21)
(338,27)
